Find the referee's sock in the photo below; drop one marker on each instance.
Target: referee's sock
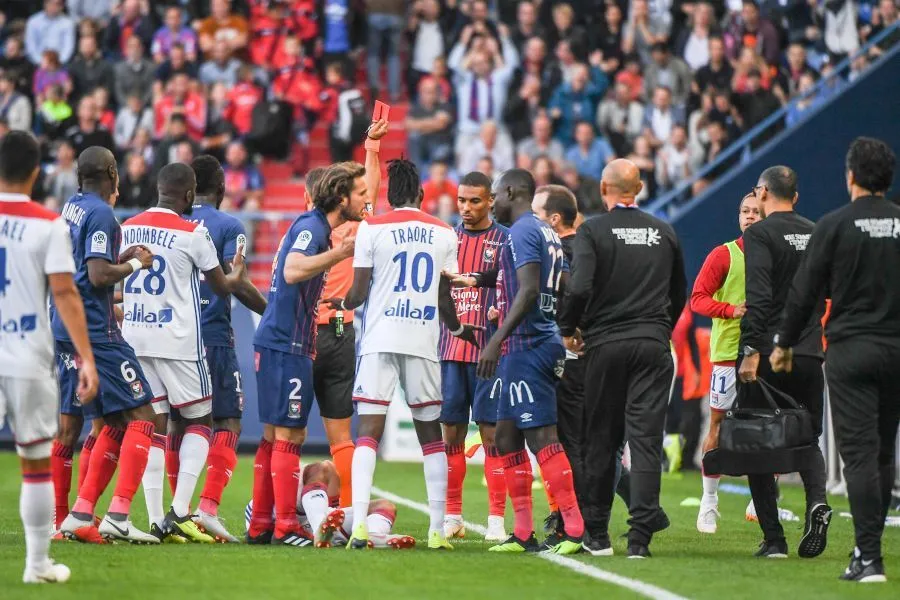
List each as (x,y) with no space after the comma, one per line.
(558,476)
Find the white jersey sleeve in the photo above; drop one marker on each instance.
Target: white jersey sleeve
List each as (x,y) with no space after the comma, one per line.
(451,261)
(59,257)
(203,251)
(364,251)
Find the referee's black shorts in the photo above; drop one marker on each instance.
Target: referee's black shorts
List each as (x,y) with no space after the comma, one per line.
(334,370)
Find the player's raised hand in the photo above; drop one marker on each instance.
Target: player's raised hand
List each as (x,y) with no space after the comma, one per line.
(468,334)
(487,362)
(237,263)
(378,129)
(460,279)
(348,245)
(88,382)
(493,315)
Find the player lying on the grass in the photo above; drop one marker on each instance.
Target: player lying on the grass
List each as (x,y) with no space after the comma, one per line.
(329,525)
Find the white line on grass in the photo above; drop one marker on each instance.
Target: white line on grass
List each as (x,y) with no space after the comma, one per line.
(646,589)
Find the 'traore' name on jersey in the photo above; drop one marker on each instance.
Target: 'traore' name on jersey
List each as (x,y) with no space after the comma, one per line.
(531,241)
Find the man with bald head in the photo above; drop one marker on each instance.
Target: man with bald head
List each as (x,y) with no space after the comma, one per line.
(626,292)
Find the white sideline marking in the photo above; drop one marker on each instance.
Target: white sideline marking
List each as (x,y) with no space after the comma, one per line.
(645,589)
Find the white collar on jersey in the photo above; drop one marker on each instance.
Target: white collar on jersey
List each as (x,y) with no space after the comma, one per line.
(409,208)
(4,197)
(163,210)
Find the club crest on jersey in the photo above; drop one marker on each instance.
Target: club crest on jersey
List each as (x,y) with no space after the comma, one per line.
(137,390)
(294,409)
(490,254)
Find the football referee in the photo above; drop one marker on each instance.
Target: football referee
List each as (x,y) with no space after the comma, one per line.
(626,290)
(854,254)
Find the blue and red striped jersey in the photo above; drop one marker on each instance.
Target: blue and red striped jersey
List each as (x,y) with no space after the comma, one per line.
(531,241)
(289,323)
(479,251)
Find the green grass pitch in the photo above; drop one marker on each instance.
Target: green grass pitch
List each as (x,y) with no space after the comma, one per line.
(685,562)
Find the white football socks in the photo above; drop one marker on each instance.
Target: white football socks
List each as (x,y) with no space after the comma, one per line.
(152,482)
(379,524)
(363,474)
(435,466)
(36,504)
(315,505)
(192,459)
(710,490)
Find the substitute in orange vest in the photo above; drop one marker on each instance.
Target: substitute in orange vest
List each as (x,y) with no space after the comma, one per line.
(719,294)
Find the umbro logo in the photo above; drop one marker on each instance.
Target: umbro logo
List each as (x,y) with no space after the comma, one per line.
(526,417)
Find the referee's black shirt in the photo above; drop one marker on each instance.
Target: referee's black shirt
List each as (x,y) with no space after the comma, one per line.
(855,253)
(627,279)
(773,250)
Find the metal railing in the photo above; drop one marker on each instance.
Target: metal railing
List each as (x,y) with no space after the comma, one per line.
(742,150)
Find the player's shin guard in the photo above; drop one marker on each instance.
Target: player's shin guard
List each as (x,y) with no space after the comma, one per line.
(84,458)
(435,465)
(314,500)
(363,475)
(152,482)
(496,481)
(456,474)
(517,471)
(36,511)
(61,472)
(222,460)
(104,459)
(263,495)
(173,459)
(192,458)
(135,452)
(285,483)
(559,481)
(342,456)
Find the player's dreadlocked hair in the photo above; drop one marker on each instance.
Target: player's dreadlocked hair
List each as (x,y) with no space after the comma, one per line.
(210,175)
(404,187)
(336,184)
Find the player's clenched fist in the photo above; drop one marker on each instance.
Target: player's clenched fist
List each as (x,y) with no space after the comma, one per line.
(142,253)
(348,244)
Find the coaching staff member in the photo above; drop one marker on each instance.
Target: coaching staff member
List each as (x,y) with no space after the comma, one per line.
(854,253)
(626,290)
(773,249)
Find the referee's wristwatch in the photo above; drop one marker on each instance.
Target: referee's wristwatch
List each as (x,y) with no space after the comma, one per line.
(750,351)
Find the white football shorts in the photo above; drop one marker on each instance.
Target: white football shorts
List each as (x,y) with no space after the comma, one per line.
(182,384)
(723,387)
(32,408)
(377,377)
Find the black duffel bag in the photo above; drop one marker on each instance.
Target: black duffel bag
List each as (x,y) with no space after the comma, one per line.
(774,439)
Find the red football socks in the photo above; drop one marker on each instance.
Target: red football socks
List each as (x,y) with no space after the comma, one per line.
(285,484)
(496,481)
(173,462)
(135,451)
(518,475)
(456,474)
(221,461)
(104,459)
(342,456)
(84,458)
(263,495)
(557,474)
(61,472)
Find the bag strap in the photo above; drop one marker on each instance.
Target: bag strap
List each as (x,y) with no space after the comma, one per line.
(769,390)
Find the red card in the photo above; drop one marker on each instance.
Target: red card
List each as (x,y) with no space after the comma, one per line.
(381,111)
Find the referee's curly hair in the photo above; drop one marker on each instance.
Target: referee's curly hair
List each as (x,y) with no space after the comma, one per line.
(336,184)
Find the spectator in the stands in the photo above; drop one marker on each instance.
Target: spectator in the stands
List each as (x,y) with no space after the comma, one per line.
(176,134)
(385,28)
(176,63)
(756,103)
(134,20)
(137,188)
(586,189)
(241,100)
(805,99)
(544,172)
(106,116)
(62,177)
(717,142)
(135,75)
(184,153)
(53,115)
(883,17)
(642,157)
(632,76)
(858,67)
(438,184)
(840,33)
(174,31)
(87,130)
(661,117)
(491,142)
(481,78)
(563,27)
(98,11)
(132,117)
(243,181)
(478,21)
(643,30)
(693,44)
(339,97)
(576,101)
(221,67)
(590,154)
(50,73)
(219,130)
(143,145)
(427,40)
(620,119)
(50,29)
(541,141)
(527,26)
(440,75)
(748,28)
(673,161)
(222,25)
(181,99)
(88,69)
(563,65)
(717,72)
(669,71)
(797,66)
(486,166)
(748,62)
(16,65)
(342,26)
(446,211)
(608,38)
(529,90)
(429,125)
(15,109)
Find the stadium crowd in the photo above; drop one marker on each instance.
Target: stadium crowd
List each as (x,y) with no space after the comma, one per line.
(560,88)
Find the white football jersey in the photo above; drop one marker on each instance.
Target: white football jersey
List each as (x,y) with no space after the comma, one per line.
(162,303)
(34,243)
(407,250)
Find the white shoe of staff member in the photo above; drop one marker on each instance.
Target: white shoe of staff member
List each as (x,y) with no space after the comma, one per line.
(496,530)
(708,518)
(454,527)
(50,572)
